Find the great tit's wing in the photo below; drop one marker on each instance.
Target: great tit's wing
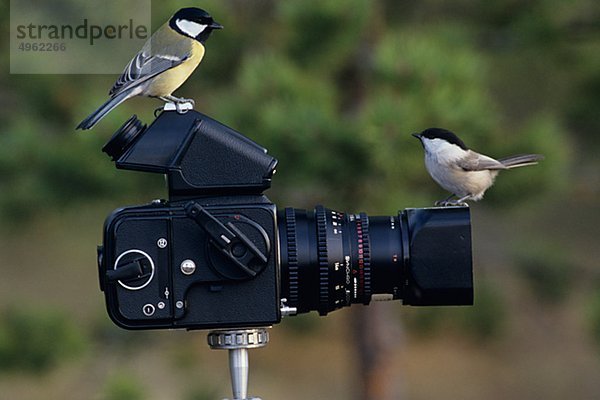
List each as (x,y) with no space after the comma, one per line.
(478,162)
(166,49)
(143,67)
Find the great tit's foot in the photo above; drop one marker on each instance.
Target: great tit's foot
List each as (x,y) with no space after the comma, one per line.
(188,101)
(181,108)
(181,100)
(179,104)
(184,105)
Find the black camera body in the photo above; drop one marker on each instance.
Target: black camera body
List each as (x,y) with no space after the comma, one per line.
(205,244)
(218,254)
(168,253)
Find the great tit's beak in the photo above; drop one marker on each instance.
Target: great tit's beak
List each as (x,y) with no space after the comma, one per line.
(215,25)
(417,135)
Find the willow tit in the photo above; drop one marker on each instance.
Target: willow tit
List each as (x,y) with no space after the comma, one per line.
(167,59)
(461,171)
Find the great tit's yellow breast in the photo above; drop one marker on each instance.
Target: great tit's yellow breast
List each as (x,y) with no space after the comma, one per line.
(167,82)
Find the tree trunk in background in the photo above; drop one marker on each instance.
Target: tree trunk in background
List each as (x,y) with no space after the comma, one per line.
(376,336)
(375,328)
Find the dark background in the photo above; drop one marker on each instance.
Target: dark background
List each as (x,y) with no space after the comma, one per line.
(333,89)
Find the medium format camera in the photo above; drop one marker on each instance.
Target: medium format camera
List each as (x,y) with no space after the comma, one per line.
(218,253)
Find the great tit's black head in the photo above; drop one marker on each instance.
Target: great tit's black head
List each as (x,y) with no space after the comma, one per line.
(194,23)
(443,134)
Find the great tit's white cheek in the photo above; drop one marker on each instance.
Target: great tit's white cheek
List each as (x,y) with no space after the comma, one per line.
(191,28)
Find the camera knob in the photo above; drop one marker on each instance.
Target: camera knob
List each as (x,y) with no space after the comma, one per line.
(247,254)
(238,247)
(133,270)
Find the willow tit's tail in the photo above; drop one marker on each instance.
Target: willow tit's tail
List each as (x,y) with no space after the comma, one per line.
(105,108)
(521,160)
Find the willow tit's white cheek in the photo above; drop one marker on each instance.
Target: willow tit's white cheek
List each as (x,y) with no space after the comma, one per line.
(443,151)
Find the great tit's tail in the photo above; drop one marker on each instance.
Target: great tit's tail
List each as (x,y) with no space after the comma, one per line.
(521,160)
(104,109)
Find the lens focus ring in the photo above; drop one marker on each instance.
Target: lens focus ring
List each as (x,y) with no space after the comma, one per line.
(292,258)
(321,219)
(364,256)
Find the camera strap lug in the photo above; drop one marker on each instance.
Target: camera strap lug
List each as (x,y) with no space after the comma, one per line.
(228,239)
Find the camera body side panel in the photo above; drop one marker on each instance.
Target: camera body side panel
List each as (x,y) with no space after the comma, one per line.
(185,281)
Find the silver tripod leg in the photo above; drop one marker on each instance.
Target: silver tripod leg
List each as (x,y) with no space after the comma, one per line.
(238,342)
(238,369)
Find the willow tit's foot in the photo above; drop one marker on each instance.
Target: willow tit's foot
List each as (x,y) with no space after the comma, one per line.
(451,203)
(443,203)
(448,202)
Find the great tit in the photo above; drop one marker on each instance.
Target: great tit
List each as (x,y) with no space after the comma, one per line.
(461,171)
(164,63)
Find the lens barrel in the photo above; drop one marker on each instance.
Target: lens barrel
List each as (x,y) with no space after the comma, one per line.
(331,260)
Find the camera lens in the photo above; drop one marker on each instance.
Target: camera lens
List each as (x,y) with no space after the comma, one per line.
(123,138)
(331,259)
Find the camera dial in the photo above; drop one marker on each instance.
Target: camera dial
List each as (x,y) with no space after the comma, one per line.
(134,269)
(238,246)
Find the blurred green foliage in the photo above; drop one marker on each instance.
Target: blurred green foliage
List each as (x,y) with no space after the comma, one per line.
(123,386)
(333,90)
(484,321)
(37,340)
(203,392)
(547,269)
(103,332)
(302,324)
(582,113)
(488,318)
(593,316)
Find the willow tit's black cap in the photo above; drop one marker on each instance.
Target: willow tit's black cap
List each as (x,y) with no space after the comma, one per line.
(444,134)
(194,22)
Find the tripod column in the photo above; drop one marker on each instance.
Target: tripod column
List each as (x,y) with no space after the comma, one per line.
(238,369)
(238,342)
